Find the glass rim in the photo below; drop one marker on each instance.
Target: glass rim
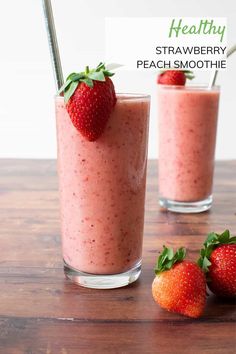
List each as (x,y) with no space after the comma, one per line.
(200,87)
(124,96)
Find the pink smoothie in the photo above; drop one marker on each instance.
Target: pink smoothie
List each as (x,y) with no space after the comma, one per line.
(102,188)
(187,136)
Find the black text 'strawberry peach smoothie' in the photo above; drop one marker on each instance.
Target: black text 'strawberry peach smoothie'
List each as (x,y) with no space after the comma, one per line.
(187,134)
(102,193)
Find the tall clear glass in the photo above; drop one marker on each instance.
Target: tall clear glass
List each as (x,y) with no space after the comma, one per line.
(102,194)
(187,118)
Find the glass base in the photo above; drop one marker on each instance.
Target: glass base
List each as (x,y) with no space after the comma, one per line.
(186,207)
(103,281)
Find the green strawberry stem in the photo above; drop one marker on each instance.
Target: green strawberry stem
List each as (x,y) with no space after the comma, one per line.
(167,259)
(213,241)
(88,77)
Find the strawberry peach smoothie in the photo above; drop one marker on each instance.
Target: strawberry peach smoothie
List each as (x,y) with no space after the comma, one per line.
(102,188)
(187,136)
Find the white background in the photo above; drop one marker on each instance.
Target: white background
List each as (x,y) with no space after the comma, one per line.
(156,31)
(27,124)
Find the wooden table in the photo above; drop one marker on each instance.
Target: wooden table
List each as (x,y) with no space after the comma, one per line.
(42,312)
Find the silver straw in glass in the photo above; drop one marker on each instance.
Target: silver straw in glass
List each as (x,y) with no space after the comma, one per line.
(52,41)
(214,74)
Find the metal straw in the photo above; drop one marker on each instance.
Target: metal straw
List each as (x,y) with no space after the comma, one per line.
(52,41)
(215,73)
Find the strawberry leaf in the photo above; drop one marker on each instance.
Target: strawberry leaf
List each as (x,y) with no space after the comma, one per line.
(168,265)
(170,253)
(168,258)
(73,77)
(77,77)
(232,240)
(189,77)
(69,92)
(189,74)
(88,82)
(101,66)
(213,241)
(224,237)
(64,86)
(108,73)
(88,77)
(97,75)
(206,263)
(70,76)
(180,254)
(212,238)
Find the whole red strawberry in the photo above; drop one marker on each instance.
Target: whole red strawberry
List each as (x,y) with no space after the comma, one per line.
(218,260)
(90,98)
(180,285)
(174,77)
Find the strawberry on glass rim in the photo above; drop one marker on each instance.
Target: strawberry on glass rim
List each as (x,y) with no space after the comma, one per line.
(90,98)
(218,261)
(179,285)
(174,77)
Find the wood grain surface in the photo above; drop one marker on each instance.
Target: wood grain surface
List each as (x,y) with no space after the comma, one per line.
(43,312)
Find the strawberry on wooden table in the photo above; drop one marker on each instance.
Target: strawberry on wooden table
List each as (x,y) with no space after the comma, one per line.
(90,98)
(179,285)
(174,77)
(218,261)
